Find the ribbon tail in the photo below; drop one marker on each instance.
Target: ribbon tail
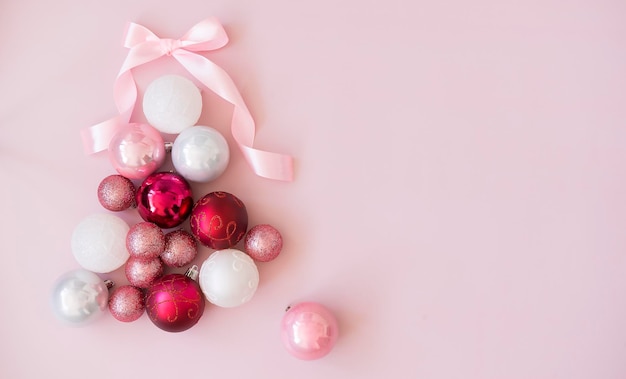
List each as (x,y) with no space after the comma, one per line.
(97,137)
(264,163)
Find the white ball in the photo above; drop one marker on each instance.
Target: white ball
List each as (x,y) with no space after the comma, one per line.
(172,103)
(200,154)
(99,242)
(228,278)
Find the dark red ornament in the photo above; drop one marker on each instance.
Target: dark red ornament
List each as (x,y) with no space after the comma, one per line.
(175,302)
(219,220)
(165,199)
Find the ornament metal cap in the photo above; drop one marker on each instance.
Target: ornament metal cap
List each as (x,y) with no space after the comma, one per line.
(109,283)
(168,146)
(192,272)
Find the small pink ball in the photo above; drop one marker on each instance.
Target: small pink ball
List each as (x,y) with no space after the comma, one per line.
(143,272)
(180,249)
(145,240)
(137,150)
(116,193)
(309,330)
(263,243)
(126,303)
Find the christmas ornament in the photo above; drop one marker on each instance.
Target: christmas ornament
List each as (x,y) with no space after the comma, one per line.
(126,303)
(175,303)
(180,249)
(116,193)
(219,220)
(165,199)
(99,242)
(229,278)
(309,330)
(143,272)
(263,243)
(200,154)
(172,103)
(79,297)
(136,151)
(145,240)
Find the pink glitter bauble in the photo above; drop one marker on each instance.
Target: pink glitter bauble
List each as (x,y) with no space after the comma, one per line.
(180,249)
(116,193)
(175,303)
(309,330)
(263,243)
(143,272)
(145,240)
(137,150)
(219,220)
(165,199)
(126,303)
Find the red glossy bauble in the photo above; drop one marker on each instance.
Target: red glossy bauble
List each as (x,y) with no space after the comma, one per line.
(165,199)
(174,303)
(219,220)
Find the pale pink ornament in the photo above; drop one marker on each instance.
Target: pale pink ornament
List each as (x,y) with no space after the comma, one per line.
(137,150)
(143,272)
(309,330)
(263,243)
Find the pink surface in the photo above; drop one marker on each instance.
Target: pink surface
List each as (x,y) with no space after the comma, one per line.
(458,203)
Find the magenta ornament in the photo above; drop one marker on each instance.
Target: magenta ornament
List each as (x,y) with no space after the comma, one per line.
(136,151)
(165,199)
(175,303)
(309,330)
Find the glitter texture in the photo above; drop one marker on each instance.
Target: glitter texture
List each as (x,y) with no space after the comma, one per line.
(116,193)
(180,249)
(142,273)
(263,243)
(145,240)
(126,303)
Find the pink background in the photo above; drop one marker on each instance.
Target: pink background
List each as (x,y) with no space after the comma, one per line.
(459,200)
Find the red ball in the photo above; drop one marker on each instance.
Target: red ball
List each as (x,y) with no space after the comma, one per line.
(126,303)
(174,303)
(219,220)
(143,272)
(116,193)
(165,199)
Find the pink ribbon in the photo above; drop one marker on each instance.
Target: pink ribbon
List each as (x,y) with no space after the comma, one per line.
(207,35)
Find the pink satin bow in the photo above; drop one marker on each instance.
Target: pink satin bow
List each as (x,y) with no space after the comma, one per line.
(207,35)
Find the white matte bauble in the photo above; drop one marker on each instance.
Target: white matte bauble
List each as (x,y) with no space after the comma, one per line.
(228,278)
(99,242)
(79,297)
(200,154)
(172,103)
